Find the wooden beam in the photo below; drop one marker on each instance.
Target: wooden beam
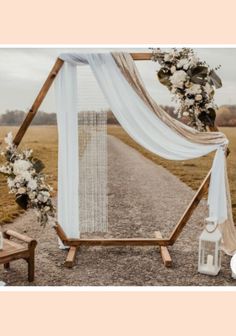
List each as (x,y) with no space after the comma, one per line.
(109,242)
(71,256)
(38,101)
(141,56)
(190,209)
(164,252)
(118,242)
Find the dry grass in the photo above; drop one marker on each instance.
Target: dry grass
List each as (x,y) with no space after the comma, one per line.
(43,140)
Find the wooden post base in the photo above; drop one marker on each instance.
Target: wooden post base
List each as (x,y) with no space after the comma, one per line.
(71,257)
(164,252)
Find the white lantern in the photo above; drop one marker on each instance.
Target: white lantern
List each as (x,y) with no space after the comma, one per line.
(209,257)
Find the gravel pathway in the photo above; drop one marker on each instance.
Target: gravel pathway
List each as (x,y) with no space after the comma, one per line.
(143,198)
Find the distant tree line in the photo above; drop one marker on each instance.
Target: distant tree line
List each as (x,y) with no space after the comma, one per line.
(226,116)
(15,118)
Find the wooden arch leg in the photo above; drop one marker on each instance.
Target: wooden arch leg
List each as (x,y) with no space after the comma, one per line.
(167,261)
(71,257)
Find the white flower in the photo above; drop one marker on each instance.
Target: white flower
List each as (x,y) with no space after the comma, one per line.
(189,102)
(173,69)
(26,175)
(4,170)
(28,153)
(32,184)
(11,183)
(21,166)
(32,195)
(198,97)
(208,89)
(9,139)
(193,60)
(183,63)
(178,78)
(186,114)
(194,89)
(168,57)
(21,191)
(40,197)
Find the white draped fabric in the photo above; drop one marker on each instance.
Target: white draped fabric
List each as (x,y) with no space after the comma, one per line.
(140,123)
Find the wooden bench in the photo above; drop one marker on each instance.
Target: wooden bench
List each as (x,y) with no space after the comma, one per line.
(14,251)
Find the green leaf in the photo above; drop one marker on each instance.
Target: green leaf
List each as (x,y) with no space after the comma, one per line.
(22,200)
(215,79)
(163,76)
(38,165)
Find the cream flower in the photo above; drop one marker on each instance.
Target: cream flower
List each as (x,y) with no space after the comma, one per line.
(194,89)
(189,102)
(21,190)
(32,184)
(208,89)
(21,166)
(9,139)
(178,78)
(198,97)
(11,183)
(183,63)
(172,69)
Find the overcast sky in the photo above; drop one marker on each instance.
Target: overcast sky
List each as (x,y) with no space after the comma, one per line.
(23,71)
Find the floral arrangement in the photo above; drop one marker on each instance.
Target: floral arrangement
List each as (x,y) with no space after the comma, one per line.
(192,83)
(26,181)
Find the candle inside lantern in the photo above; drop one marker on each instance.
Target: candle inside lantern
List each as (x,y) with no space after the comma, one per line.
(210,261)
(1,241)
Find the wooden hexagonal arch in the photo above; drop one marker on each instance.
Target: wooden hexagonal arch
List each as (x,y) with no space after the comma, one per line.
(74,244)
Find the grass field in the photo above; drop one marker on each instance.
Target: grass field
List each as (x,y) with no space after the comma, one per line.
(43,140)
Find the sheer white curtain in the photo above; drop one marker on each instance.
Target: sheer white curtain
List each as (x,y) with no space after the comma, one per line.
(139,122)
(68,152)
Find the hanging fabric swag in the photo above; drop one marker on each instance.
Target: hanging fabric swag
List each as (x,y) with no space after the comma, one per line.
(146,123)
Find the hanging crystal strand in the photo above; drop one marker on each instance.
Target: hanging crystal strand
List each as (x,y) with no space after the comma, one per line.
(105,170)
(85,170)
(99,183)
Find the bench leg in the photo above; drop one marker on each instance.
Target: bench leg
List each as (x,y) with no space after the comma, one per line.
(30,261)
(6,266)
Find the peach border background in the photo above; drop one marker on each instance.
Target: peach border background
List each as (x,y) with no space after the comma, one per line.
(117,22)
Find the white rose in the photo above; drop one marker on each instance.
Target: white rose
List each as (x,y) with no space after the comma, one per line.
(194,89)
(26,176)
(178,78)
(21,166)
(32,184)
(183,63)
